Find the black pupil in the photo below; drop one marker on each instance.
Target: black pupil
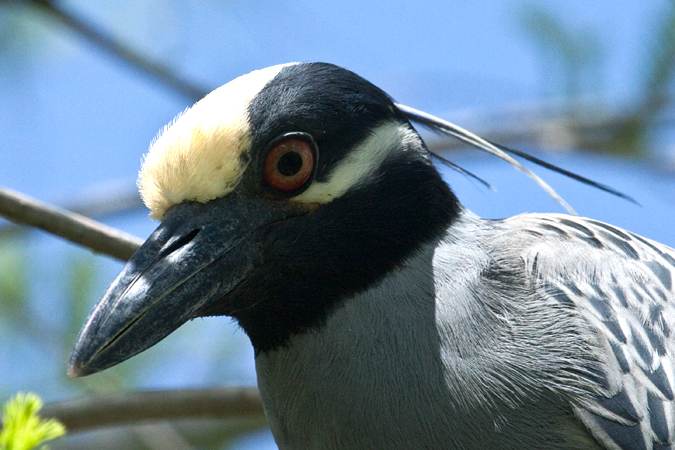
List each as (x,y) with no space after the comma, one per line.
(289,164)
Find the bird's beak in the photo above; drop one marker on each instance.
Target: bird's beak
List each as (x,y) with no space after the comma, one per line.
(196,256)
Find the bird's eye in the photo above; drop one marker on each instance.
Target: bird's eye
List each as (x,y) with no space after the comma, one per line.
(290,162)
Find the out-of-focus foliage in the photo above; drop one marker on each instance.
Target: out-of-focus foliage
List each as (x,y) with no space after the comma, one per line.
(13,283)
(79,290)
(571,58)
(660,64)
(23,29)
(22,427)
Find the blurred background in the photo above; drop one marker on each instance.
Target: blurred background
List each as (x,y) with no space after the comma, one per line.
(86,84)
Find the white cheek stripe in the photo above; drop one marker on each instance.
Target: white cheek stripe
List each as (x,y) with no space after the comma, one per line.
(361,162)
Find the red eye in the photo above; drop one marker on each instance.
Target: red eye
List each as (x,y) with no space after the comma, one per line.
(289,164)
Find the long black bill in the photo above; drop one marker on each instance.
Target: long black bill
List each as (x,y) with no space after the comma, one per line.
(196,256)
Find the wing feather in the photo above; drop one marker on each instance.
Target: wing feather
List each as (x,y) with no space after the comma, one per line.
(622,285)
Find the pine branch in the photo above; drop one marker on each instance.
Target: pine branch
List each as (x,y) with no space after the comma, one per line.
(81,230)
(90,412)
(22,426)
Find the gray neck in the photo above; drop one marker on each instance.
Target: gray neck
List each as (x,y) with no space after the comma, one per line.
(387,370)
(348,367)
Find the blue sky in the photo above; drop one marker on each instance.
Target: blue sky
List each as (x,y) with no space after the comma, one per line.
(78,118)
(74,122)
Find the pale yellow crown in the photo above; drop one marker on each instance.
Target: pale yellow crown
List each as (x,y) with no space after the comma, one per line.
(197,156)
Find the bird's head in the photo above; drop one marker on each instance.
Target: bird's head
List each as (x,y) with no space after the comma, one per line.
(280,195)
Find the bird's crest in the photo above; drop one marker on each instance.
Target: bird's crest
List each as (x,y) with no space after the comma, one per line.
(201,154)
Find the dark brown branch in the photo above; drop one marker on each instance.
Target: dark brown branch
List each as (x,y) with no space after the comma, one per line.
(76,228)
(122,52)
(104,411)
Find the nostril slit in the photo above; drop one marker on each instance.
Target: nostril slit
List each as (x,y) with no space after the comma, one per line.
(180,242)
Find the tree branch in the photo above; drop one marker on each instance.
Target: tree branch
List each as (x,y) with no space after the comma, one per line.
(122,52)
(93,412)
(86,413)
(81,230)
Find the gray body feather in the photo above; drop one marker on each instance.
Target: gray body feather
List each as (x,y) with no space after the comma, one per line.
(534,332)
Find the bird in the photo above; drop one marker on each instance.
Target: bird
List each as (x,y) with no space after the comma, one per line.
(300,201)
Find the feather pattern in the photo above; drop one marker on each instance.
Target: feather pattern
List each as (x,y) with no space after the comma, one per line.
(558,314)
(621,285)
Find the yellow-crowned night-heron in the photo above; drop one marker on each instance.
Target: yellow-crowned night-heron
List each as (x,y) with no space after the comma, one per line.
(299,200)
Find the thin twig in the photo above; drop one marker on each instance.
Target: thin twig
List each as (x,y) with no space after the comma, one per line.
(90,412)
(122,52)
(81,230)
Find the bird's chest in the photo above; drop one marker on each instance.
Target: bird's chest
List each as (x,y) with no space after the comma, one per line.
(354,385)
(341,393)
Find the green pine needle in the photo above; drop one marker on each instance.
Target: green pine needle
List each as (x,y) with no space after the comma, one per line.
(22,428)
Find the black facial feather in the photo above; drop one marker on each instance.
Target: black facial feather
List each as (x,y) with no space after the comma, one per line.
(310,264)
(336,106)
